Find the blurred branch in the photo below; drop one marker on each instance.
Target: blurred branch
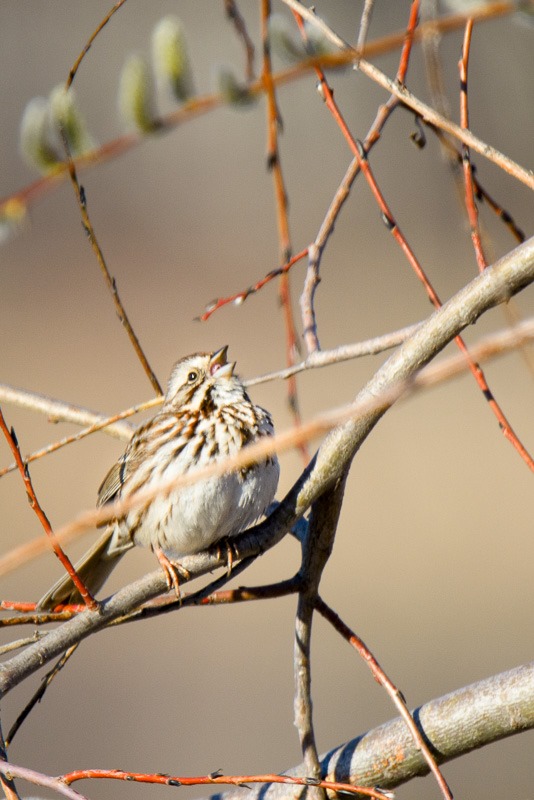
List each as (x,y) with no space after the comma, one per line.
(61,411)
(274,164)
(234,15)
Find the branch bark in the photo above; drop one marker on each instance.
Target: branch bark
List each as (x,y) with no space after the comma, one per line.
(454,725)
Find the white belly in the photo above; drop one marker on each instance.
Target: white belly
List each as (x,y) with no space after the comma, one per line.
(195,517)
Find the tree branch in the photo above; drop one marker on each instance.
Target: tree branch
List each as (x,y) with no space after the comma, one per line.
(454,725)
(495,285)
(60,411)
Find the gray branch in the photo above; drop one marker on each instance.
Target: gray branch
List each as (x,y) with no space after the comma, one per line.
(453,725)
(498,283)
(60,411)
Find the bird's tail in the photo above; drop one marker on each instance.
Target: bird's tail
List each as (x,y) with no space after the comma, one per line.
(94,568)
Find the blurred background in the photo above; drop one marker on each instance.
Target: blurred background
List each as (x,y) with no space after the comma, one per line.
(433,558)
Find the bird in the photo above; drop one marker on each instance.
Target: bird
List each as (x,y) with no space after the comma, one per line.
(206,416)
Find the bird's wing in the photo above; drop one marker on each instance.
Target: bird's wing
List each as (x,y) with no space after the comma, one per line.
(119,473)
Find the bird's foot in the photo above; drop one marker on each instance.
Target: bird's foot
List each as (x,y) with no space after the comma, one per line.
(172,571)
(230,554)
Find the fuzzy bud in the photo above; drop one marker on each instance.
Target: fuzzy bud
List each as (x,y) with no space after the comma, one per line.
(38,145)
(170,57)
(232,91)
(317,44)
(12,216)
(283,39)
(136,95)
(65,115)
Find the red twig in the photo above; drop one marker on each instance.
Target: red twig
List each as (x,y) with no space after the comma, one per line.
(240,297)
(396,695)
(408,41)
(273,162)
(217,779)
(361,155)
(43,519)
(470,204)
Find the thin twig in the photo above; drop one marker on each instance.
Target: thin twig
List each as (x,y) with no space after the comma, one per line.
(240,297)
(39,693)
(323,358)
(233,14)
(217,779)
(470,204)
(76,437)
(61,411)
(396,695)
(103,22)
(365,21)
(284,239)
(43,519)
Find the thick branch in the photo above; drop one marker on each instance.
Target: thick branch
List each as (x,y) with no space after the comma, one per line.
(455,724)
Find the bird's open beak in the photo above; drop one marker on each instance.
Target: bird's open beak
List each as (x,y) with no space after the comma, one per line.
(219,365)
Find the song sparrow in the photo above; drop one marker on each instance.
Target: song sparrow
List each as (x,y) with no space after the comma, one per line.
(206,416)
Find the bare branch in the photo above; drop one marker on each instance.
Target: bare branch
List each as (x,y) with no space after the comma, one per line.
(426,113)
(60,411)
(454,724)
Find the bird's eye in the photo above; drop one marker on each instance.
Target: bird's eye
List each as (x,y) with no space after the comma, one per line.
(192,376)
